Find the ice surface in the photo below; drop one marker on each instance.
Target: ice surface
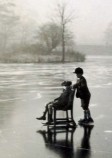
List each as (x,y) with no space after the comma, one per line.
(24,91)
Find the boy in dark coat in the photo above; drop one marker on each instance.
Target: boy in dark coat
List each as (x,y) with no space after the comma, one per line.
(60,102)
(84,94)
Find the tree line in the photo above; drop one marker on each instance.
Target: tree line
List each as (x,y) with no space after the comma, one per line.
(53,41)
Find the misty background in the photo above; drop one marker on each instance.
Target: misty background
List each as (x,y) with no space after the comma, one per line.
(21,22)
(32,31)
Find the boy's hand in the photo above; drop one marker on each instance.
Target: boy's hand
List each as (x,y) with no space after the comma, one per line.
(78,81)
(50,103)
(75,86)
(56,99)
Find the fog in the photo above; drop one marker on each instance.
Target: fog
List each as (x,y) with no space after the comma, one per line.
(32,29)
(92,17)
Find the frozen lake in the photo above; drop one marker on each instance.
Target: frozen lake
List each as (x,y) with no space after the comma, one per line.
(24,91)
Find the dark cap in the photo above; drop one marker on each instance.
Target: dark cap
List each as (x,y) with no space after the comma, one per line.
(66,83)
(78,70)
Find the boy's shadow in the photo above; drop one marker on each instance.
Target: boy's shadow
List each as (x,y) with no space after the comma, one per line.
(59,140)
(85,147)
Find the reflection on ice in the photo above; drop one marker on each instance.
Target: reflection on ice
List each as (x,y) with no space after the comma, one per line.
(97,86)
(108,131)
(108,84)
(93,105)
(39,95)
(101,116)
(11,99)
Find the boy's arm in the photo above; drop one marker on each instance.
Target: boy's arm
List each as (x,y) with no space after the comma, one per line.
(76,84)
(56,99)
(83,84)
(80,83)
(60,95)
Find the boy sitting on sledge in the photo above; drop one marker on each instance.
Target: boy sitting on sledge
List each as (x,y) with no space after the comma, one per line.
(60,102)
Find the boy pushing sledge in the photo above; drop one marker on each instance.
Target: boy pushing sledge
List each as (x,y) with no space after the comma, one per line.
(84,94)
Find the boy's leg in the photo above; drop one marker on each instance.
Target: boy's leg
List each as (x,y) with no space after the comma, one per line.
(84,105)
(87,113)
(43,117)
(50,110)
(85,117)
(89,116)
(50,113)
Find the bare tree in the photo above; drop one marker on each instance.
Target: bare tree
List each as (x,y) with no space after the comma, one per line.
(65,16)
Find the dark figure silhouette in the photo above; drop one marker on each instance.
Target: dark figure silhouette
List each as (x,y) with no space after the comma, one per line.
(63,147)
(84,94)
(85,148)
(59,102)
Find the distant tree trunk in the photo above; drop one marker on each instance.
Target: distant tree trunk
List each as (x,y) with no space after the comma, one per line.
(63,44)
(65,18)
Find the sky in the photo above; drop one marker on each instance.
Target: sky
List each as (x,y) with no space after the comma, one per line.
(92,17)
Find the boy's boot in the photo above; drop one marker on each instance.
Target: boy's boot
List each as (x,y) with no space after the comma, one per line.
(89,116)
(50,118)
(84,119)
(42,117)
